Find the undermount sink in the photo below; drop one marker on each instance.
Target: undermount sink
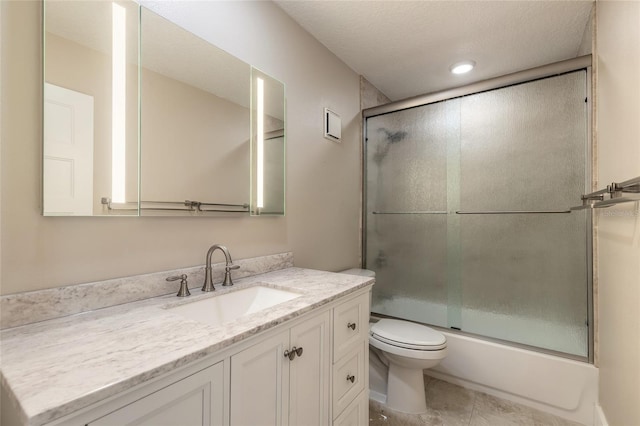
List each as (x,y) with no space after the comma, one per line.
(230,306)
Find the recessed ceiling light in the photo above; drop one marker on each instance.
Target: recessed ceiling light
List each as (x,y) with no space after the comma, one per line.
(462,67)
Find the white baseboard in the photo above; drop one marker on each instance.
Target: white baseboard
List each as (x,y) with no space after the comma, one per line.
(378,397)
(599,417)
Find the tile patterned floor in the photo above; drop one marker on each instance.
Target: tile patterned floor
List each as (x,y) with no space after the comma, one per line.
(451,405)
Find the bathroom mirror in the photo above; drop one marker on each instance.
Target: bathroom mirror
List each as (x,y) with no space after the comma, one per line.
(90,107)
(267,145)
(194,106)
(195,111)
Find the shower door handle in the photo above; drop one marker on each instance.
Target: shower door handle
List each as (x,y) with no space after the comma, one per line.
(412,212)
(514,212)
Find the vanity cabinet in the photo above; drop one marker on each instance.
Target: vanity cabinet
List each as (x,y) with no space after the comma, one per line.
(195,400)
(267,387)
(356,414)
(253,383)
(350,358)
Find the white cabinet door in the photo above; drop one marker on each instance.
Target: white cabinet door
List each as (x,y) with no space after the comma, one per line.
(196,400)
(309,372)
(259,380)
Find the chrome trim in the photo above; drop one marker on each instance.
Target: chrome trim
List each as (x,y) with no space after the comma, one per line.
(363,206)
(416,212)
(515,212)
(482,86)
(588,184)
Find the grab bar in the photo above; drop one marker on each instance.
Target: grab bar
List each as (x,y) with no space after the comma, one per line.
(516,212)
(416,212)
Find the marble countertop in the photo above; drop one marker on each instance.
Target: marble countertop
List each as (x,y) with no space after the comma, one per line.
(53,368)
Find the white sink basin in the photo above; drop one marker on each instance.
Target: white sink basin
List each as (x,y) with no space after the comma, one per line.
(230,306)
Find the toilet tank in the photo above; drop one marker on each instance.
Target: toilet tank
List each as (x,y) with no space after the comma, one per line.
(360,272)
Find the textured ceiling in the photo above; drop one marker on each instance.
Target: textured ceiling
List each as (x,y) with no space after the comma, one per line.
(405,48)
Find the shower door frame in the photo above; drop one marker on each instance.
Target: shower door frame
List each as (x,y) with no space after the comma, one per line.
(533,74)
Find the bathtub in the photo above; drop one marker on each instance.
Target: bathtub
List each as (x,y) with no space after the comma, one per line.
(563,387)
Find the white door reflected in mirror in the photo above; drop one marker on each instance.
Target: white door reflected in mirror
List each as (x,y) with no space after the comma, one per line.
(68,152)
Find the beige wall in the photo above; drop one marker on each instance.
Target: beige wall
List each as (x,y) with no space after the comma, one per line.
(618,127)
(194,145)
(323,178)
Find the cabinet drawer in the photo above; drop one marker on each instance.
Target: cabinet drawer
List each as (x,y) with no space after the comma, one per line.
(356,414)
(350,325)
(348,379)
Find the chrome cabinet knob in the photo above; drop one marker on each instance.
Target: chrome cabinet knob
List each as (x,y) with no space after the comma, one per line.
(291,354)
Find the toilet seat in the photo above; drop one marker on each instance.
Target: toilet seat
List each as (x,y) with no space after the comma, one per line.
(407,335)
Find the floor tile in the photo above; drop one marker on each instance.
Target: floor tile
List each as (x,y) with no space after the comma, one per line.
(540,418)
(491,411)
(427,379)
(453,404)
(382,416)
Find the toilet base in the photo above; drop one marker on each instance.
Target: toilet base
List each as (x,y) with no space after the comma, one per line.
(405,390)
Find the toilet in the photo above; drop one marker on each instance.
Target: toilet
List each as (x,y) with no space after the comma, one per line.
(405,349)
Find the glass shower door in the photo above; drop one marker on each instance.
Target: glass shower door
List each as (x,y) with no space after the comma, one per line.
(406,214)
(406,235)
(523,254)
(467,213)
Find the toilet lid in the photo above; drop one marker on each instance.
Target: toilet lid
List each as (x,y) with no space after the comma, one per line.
(407,334)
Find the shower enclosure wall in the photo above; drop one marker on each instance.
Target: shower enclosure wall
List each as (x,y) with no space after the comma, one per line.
(467,211)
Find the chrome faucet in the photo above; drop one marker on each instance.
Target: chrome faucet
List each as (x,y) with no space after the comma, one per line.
(208,280)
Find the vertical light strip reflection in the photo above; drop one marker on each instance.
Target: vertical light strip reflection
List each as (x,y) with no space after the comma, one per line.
(118,102)
(260,131)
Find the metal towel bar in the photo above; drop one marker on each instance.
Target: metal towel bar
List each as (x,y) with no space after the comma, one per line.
(516,212)
(482,212)
(616,192)
(416,212)
(189,206)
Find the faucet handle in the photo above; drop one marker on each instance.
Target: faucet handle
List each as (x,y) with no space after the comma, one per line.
(227,274)
(184,289)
